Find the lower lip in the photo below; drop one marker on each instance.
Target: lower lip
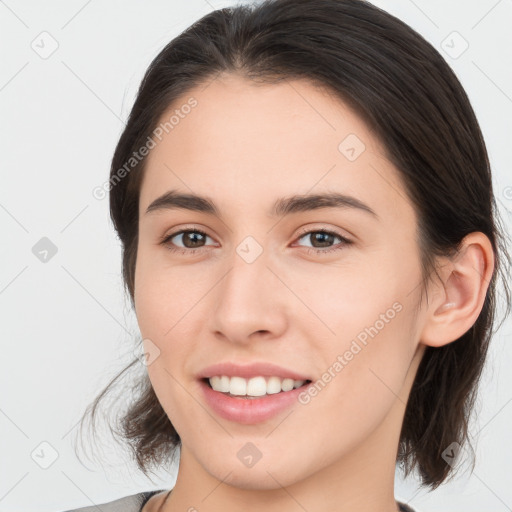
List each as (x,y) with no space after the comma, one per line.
(250,410)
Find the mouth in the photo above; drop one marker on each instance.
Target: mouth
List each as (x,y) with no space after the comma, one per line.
(298,385)
(247,409)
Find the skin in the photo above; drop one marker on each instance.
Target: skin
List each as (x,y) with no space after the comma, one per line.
(244,146)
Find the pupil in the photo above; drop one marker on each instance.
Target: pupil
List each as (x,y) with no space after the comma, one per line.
(193,239)
(321,237)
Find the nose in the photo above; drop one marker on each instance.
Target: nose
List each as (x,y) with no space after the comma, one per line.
(250,302)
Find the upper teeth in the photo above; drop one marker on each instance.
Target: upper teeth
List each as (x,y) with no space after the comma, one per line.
(256,386)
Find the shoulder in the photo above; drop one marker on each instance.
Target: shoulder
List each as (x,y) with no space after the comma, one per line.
(406,508)
(135,502)
(132,503)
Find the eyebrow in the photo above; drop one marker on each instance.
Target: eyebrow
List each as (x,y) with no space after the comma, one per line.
(284,206)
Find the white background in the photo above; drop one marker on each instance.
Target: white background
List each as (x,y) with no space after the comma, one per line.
(66,326)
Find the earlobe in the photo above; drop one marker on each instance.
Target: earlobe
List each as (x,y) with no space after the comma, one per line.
(461,292)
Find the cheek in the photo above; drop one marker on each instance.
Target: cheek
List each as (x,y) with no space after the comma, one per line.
(163,294)
(367,343)
(352,296)
(361,382)
(166,309)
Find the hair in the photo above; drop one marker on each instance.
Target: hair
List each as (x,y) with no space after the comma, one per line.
(409,97)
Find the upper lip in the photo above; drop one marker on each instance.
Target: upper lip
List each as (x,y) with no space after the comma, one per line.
(250,370)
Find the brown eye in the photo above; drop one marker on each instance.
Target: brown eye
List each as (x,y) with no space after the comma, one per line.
(185,239)
(191,239)
(322,240)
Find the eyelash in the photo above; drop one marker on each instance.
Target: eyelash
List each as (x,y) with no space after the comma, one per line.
(181,250)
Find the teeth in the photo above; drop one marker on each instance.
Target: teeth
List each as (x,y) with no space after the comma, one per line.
(256,386)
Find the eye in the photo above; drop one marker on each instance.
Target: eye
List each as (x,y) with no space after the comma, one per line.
(190,241)
(324,238)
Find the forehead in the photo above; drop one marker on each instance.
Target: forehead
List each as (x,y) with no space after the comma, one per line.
(250,143)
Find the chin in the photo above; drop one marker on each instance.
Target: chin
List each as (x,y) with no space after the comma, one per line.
(270,474)
(261,481)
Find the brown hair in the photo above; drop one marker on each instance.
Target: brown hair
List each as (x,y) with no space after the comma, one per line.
(408,95)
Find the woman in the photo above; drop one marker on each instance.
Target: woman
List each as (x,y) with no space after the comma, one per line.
(311,247)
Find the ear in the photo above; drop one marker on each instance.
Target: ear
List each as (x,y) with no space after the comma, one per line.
(459,296)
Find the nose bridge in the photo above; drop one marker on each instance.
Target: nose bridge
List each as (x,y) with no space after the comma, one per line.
(246,297)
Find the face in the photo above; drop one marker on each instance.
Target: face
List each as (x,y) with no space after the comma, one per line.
(325,290)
